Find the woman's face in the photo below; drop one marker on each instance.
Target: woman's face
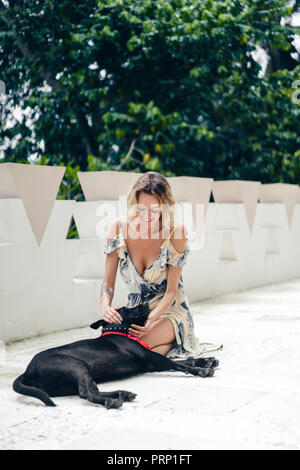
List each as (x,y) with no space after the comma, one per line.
(148,209)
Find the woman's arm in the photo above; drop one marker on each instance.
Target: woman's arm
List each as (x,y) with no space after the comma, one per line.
(110,314)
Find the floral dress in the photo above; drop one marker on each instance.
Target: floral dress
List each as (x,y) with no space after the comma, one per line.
(151,286)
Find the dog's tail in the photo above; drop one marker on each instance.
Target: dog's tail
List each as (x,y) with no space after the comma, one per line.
(23,389)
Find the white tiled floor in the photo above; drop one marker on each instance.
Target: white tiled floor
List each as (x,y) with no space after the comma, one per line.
(252,402)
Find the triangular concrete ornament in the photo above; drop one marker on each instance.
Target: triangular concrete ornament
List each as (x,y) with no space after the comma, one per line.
(198,190)
(106,185)
(37,186)
(281,192)
(246,192)
(193,189)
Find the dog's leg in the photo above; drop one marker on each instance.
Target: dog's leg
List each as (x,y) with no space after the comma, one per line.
(63,365)
(88,389)
(200,362)
(155,362)
(168,364)
(122,395)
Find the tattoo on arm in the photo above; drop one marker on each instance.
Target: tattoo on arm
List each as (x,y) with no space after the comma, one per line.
(104,288)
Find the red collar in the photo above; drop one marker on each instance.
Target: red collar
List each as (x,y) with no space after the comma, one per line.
(139,340)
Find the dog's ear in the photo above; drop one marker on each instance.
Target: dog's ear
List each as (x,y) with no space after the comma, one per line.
(97,324)
(123,311)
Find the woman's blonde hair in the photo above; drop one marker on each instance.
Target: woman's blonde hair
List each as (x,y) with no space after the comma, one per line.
(156,184)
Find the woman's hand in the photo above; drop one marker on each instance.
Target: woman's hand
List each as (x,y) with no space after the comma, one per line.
(141,331)
(110,314)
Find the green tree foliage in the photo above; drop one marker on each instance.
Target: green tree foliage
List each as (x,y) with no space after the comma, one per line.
(166,85)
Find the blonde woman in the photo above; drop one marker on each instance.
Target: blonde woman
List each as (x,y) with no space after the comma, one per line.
(151,250)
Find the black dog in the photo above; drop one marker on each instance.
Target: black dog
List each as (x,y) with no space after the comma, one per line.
(76,368)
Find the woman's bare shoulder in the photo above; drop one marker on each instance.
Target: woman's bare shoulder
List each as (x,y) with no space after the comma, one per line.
(178,238)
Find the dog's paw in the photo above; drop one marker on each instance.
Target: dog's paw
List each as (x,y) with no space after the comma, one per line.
(204,362)
(205,372)
(207,362)
(126,396)
(215,363)
(112,403)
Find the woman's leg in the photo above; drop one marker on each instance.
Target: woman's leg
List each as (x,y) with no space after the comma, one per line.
(161,336)
(162,348)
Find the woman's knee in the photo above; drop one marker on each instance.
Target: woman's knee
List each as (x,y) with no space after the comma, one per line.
(161,334)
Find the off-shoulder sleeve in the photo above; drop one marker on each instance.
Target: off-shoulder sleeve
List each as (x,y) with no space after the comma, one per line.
(110,245)
(177,259)
(116,243)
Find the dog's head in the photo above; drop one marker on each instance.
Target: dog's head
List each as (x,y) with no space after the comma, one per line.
(137,315)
